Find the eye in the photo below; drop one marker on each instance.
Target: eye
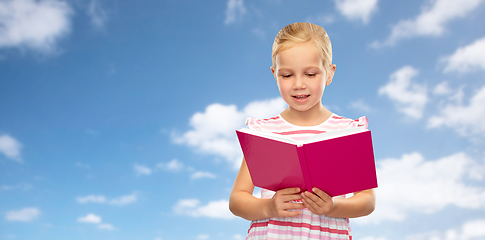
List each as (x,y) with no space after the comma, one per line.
(311,74)
(286,75)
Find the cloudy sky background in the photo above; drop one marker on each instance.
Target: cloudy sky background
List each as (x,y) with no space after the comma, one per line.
(117,118)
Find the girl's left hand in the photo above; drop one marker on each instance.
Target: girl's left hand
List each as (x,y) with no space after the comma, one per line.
(318,202)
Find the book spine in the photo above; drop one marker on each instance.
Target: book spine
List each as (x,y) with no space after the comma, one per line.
(304,168)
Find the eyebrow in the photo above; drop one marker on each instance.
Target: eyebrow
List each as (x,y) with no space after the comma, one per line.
(289,69)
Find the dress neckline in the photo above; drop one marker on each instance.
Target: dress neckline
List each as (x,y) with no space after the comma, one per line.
(324,122)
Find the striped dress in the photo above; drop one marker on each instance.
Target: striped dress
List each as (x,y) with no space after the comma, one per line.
(306,225)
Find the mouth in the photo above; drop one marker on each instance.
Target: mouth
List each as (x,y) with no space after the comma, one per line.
(301,97)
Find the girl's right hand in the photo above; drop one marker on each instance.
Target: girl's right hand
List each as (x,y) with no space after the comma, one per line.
(280,204)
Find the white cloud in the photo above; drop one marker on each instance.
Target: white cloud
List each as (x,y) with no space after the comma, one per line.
(91,132)
(22,215)
(106,226)
(467,120)
(214,209)
(357,9)
(451,94)
(234,12)
(199,174)
(95,219)
(413,184)
(82,165)
(213,131)
(202,236)
(431,21)
(36,25)
(123,200)
(237,237)
(184,204)
(173,166)
(10,147)
(409,97)
(473,229)
(470,230)
(264,109)
(373,238)
(360,105)
(142,170)
(90,218)
(259,32)
(321,19)
(467,59)
(5,188)
(120,201)
(442,88)
(176,166)
(21,186)
(97,14)
(91,199)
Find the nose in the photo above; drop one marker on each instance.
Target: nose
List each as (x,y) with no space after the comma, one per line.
(298,83)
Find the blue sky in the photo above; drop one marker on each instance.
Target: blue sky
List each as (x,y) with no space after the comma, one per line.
(117,118)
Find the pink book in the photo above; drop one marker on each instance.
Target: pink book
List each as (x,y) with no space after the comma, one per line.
(337,162)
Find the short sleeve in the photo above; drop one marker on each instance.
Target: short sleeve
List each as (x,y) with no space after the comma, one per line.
(360,122)
(253,123)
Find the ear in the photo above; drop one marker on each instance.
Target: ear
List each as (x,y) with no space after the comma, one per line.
(330,73)
(274,73)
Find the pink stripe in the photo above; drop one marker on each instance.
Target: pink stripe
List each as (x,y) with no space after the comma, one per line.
(271,118)
(280,128)
(297,225)
(309,217)
(257,231)
(291,234)
(306,224)
(345,121)
(277,128)
(300,132)
(276,122)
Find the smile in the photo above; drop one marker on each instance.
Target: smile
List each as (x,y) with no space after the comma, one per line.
(299,97)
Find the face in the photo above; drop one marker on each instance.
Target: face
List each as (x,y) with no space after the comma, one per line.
(301,76)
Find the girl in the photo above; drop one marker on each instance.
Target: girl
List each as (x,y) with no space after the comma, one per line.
(302,67)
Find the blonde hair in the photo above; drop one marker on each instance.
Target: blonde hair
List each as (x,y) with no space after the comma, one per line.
(297,33)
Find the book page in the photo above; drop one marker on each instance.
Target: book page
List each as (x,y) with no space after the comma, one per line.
(316,138)
(269,135)
(334,134)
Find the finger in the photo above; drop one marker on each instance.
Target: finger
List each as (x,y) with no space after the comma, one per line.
(288,191)
(313,206)
(288,194)
(313,198)
(294,206)
(321,194)
(292,197)
(310,206)
(307,202)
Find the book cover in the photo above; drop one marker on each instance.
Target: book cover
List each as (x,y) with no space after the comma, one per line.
(337,162)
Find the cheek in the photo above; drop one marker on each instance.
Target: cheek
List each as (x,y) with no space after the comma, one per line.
(320,87)
(283,85)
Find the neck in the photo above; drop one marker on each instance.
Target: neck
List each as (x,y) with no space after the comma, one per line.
(312,117)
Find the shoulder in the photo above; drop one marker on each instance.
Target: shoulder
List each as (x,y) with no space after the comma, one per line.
(343,122)
(260,124)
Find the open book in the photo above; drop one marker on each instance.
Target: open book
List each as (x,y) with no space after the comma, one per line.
(337,162)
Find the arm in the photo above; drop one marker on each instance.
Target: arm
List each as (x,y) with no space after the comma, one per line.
(361,204)
(242,203)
